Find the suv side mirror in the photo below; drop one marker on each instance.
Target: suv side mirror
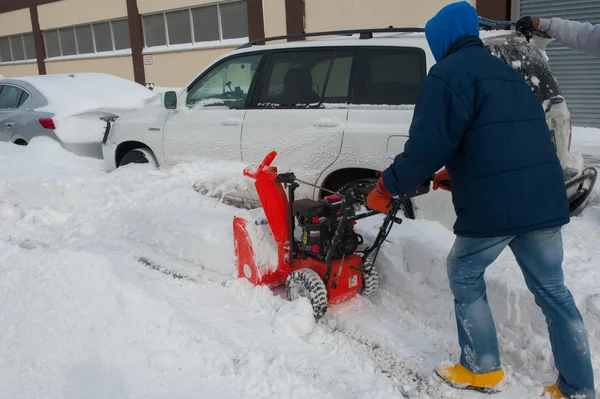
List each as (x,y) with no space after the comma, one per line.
(170,100)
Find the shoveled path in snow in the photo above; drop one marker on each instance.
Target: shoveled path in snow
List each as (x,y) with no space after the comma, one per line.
(81,316)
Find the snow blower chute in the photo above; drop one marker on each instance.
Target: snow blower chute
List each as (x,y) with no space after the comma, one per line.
(310,246)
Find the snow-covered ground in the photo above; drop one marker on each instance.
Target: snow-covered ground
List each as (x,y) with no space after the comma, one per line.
(120,285)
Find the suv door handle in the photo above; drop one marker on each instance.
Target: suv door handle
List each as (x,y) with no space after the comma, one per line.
(10,124)
(232,122)
(327,122)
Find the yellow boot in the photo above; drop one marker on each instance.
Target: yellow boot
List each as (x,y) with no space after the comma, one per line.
(554,392)
(459,377)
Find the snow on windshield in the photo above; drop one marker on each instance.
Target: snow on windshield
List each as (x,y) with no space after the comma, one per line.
(530,61)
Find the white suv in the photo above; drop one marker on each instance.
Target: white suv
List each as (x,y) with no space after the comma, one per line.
(336,110)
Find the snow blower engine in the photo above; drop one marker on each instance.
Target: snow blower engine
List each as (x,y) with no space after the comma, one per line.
(310,246)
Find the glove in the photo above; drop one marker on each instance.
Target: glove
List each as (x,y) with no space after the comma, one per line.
(442,180)
(379,199)
(527,25)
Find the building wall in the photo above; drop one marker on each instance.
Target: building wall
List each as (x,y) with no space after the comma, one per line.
(177,69)
(15,22)
(150,6)
(73,12)
(16,70)
(119,66)
(322,15)
(274,14)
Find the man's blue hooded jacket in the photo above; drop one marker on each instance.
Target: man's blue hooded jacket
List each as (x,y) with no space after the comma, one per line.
(477,116)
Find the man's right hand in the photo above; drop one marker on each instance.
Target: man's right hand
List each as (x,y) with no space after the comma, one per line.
(527,25)
(379,199)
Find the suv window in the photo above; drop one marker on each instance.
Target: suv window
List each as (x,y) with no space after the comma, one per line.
(225,85)
(389,76)
(338,84)
(296,78)
(530,62)
(10,97)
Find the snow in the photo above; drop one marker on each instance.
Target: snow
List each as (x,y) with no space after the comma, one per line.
(262,241)
(121,285)
(164,89)
(79,100)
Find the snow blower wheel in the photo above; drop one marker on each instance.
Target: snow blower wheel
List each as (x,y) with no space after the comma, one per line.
(308,284)
(370,282)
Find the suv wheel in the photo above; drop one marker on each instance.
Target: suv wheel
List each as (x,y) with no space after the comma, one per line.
(368,184)
(139,155)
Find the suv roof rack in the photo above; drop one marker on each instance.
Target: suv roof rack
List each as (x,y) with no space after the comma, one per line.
(364,34)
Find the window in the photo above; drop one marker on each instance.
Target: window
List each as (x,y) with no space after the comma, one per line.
(102,37)
(206,23)
(5,50)
(29,47)
(120,31)
(513,52)
(85,39)
(154,30)
(24,98)
(52,44)
(196,25)
(296,78)
(338,85)
(389,77)
(17,48)
(88,39)
(67,41)
(16,45)
(178,25)
(227,84)
(10,97)
(234,18)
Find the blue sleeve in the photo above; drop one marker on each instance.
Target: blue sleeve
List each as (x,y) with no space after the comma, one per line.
(439,122)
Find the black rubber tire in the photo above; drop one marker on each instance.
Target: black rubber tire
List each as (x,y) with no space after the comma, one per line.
(370,282)
(138,155)
(369,182)
(20,142)
(313,288)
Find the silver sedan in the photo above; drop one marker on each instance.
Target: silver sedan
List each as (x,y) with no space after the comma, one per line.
(67,108)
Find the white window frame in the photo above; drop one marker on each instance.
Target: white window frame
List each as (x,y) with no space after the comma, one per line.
(26,60)
(194,44)
(96,53)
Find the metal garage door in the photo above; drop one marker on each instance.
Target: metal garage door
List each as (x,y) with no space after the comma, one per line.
(578,74)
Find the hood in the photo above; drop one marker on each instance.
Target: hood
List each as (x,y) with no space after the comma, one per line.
(450,24)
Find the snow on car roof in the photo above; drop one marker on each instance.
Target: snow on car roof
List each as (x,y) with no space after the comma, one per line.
(73,94)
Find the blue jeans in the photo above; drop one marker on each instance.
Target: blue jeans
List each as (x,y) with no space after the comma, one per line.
(540,256)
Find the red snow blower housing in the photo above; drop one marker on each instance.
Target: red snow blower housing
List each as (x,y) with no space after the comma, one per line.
(317,248)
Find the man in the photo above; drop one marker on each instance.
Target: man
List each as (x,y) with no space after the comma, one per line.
(477,116)
(577,35)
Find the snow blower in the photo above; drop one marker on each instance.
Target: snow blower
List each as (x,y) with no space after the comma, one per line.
(310,246)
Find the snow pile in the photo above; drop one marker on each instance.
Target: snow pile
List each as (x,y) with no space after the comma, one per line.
(120,285)
(262,241)
(79,100)
(163,89)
